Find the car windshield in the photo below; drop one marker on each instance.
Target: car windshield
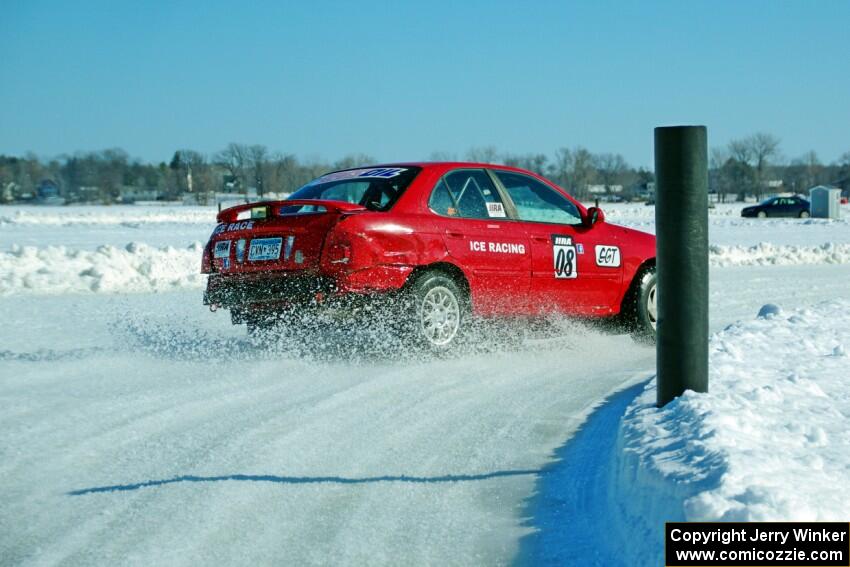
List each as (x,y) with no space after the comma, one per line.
(770,201)
(376,188)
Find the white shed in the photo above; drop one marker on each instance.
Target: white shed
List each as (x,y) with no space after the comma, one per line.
(826,202)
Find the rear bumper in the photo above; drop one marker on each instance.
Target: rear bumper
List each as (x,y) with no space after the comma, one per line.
(235,290)
(272,287)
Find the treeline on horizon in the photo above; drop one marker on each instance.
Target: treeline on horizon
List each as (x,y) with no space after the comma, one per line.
(750,166)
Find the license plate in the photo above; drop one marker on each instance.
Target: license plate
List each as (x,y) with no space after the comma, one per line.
(264,249)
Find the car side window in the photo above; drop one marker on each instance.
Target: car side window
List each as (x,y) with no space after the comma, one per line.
(467,193)
(536,201)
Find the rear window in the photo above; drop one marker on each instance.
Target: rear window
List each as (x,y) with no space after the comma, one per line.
(376,188)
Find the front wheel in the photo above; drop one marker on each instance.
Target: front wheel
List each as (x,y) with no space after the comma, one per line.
(762,215)
(644,307)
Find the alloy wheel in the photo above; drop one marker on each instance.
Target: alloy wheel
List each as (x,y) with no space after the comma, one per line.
(439,316)
(652,306)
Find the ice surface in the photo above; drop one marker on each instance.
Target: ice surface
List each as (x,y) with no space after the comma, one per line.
(145,427)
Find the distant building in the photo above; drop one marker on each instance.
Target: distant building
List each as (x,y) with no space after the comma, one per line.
(134,194)
(826,202)
(604,189)
(7,195)
(643,191)
(47,193)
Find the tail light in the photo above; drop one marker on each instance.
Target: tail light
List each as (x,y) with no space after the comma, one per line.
(206,260)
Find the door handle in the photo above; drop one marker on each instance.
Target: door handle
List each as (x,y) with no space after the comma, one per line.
(540,238)
(454,234)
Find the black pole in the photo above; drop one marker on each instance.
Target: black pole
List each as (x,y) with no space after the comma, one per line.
(681,223)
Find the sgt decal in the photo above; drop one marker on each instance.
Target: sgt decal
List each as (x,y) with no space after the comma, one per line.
(564,254)
(607,256)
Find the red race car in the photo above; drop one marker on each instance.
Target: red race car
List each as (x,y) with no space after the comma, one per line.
(441,243)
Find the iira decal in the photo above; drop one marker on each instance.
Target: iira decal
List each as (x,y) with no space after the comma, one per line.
(496,247)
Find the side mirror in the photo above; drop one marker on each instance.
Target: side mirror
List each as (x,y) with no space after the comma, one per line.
(594,215)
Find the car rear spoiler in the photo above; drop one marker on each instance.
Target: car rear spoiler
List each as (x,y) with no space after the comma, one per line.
(268,207)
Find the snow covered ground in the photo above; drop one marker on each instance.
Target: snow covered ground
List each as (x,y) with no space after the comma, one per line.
(771,441)
(89,227)
(140,428)
(49,250)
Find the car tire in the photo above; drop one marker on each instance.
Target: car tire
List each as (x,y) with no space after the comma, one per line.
(437,312)
(762,214)
(804,214)
(642,309)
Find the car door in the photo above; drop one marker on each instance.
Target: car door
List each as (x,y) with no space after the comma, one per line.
(575,268)
(479,236)
(792,207)
(789,207)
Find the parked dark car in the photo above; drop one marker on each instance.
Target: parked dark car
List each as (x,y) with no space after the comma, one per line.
(779,207)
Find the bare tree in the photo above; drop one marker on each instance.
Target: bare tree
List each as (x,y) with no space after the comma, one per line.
(234,159)
(531,162)
(257,161)
(110,173)
(755,151)
(813,169)
(717,180)
(195,174)
(610,168)
(739,168)
(288,174)
(353,160)
(486,154)
(583,171)
(740,150)
(442,156)
(764,147)
(559,169)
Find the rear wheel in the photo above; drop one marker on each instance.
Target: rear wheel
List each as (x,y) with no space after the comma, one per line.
(804,214)
(438,311)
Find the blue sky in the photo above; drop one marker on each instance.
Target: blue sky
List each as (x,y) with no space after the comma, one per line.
(401,80)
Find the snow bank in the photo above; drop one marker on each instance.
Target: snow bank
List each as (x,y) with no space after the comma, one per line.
(109,269)
(771,254)
(139,267)
(769,443)
(101,215)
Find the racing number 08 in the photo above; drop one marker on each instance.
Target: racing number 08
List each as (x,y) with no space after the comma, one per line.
(564,251)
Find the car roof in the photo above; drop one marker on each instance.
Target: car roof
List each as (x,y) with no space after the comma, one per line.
(439,165)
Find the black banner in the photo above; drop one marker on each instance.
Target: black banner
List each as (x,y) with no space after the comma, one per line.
(763,544)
